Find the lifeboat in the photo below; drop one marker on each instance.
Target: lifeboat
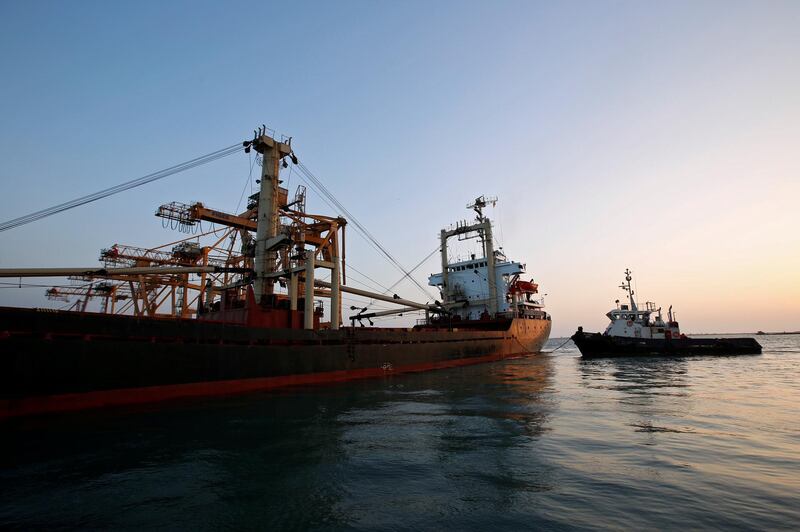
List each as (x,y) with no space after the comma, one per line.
(523,287)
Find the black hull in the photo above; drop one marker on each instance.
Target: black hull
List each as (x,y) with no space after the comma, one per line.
(52,361)
(596,345)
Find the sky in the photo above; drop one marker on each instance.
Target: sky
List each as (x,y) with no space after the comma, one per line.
(657,136)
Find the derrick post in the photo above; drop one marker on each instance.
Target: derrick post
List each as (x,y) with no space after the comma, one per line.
(293,291)
(201,296)
(336,294)
(113,296)
(489,254)
(443,236)
(185,297)
(267,224)
(343,224)
(308,309)
(209,295)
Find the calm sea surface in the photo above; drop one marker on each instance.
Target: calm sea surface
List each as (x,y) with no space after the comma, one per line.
(550,442)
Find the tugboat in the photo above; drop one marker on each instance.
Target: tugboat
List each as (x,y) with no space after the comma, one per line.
(633,332)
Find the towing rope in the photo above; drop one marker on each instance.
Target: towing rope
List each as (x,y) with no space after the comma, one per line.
(557,348)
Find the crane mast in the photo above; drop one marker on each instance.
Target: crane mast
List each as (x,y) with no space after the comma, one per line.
(267,239)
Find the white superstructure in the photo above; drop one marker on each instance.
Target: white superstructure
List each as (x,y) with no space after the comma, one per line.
(488,286)
(629,321)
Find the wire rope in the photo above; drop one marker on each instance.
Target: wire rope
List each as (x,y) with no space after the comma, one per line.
(420,263)
(375,283)
(248,182)
(360,228)
(149,178)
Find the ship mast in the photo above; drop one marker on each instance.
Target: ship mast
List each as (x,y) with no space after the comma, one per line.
(267,239)
(483,228)
(627,287)
(488,248)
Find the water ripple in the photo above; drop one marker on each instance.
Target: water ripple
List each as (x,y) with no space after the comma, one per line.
(551,442)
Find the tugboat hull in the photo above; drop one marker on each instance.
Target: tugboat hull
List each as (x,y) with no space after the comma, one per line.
(596,345)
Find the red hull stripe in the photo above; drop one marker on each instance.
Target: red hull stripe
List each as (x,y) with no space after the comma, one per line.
(127,396)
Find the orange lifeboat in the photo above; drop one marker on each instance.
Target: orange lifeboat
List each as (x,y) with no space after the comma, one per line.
(523,287)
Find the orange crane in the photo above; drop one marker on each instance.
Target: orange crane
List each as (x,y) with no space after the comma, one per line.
(110,292)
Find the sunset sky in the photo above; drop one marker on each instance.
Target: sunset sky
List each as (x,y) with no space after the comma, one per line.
(659,136)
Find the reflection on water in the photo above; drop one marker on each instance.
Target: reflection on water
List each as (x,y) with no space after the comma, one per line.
(649,388)
(459,443)
(544,442)
(637,376)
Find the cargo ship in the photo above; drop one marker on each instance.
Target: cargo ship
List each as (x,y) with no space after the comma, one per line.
(247,312)
(635,332)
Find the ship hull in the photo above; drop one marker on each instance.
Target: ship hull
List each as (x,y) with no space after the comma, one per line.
(596,345)
(57,361)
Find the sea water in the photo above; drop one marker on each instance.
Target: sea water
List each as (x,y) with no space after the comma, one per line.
(549,441)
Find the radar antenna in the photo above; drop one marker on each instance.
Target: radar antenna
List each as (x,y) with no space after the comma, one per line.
(480,203)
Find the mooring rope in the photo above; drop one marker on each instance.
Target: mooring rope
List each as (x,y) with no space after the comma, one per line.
(559,347)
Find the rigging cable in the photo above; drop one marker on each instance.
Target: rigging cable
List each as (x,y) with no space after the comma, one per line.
(376,283)
(249,181)
(149,178)
(363,230)
(420,263)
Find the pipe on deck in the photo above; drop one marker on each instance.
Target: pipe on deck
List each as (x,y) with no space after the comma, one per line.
(380,297)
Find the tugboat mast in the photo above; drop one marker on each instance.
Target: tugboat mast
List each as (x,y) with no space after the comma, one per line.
(627,287)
